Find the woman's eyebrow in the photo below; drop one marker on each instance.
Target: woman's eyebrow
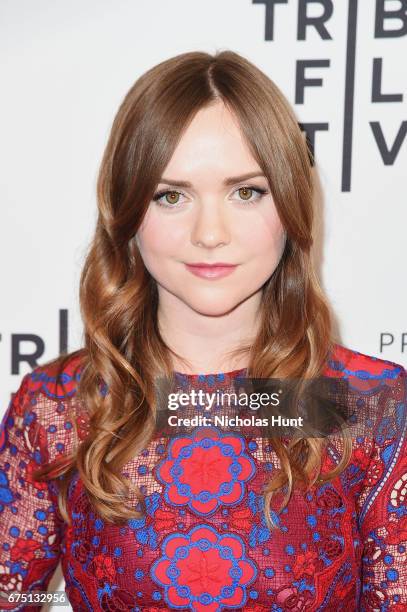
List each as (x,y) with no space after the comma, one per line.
(231,180)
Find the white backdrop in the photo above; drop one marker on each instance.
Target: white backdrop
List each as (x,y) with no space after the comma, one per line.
(65,68)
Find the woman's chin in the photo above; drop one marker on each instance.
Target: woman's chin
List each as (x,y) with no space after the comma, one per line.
(214,308)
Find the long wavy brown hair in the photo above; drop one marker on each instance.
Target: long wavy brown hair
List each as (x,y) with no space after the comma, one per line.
(123,348)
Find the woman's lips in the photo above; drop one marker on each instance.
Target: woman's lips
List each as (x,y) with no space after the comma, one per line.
(211,272)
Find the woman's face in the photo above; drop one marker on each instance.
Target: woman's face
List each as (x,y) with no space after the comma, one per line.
(216,218)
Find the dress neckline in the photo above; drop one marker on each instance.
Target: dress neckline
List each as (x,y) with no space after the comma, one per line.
(219,375)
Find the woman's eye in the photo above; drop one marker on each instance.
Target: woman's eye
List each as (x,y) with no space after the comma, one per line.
(246,193)
(171,198)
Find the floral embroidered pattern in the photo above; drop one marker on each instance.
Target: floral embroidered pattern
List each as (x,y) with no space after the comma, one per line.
(204,569)
(205,470)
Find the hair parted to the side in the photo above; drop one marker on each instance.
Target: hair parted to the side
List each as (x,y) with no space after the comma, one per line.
(122,344)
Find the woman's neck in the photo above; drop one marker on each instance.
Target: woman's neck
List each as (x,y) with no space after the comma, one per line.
(204,340)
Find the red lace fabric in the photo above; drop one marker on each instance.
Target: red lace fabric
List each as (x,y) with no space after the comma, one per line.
(203,543)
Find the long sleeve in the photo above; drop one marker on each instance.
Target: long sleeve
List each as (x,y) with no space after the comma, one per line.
(30,526)
(382,510)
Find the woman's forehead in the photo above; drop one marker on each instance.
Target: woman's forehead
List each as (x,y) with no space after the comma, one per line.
(212,145)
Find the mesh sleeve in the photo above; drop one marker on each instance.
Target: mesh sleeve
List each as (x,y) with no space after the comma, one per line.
(30,526)
(381,506)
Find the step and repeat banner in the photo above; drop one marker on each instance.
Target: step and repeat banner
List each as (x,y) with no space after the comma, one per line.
(65,68)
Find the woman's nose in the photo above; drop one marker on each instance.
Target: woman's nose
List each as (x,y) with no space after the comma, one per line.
(210,227)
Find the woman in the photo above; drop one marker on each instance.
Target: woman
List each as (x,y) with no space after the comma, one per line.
(200,274)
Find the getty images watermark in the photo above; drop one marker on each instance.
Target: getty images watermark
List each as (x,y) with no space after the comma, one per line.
(209,402)
(259,407)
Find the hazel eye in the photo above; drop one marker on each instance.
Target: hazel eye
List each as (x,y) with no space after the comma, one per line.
(172,198)
(246,193)
(250,194)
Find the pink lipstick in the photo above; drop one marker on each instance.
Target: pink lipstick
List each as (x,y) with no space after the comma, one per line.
(211,271)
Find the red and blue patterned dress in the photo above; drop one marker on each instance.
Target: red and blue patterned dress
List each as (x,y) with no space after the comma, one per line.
(203,543)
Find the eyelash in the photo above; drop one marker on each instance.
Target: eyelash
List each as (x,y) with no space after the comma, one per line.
(160,194)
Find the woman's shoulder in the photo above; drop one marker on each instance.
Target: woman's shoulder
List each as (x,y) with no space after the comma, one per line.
(361,368)
(58,378)
(45,410)
(375,388)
